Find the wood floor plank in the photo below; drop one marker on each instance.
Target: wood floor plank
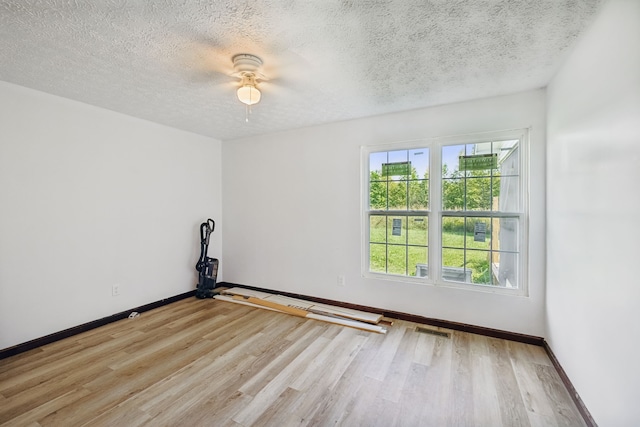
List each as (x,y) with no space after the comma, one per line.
(321,384)
(206,362)
(400,366)
(131,418)
(461,400)
(268,394)
(140,370)
(38,412)
(486,406)
(221,408)
(280,362)
(209,380)
(566,414)
(339,403)
(55,368)
(222,361)
(541,420)
(512,406)
(332,360)
(279,413)
(412,400)
(532,390)
(50,389)
(17,362)
(424,349)
(12,367)
(387,351)
(170,389)
(209,384)
(370,409)
(437,395)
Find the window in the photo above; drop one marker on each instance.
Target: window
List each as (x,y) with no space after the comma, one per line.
(463,225)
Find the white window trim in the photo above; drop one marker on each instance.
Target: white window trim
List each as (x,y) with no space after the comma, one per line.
(435,212)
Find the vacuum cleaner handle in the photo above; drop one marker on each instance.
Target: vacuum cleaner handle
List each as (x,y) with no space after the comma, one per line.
(206,228)
(204,233)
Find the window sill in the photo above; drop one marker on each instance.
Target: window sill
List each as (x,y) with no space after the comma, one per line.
(422,281)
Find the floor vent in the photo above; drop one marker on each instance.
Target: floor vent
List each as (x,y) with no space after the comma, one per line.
(432,332)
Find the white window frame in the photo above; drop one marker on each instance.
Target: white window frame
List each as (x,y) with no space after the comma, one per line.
(435,212)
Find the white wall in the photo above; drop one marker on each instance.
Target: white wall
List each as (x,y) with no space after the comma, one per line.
(593,292)
(293,220)
(90,198)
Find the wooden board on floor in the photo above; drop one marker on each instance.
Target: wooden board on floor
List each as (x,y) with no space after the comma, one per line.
(229,298)
(316,308)
(258,303)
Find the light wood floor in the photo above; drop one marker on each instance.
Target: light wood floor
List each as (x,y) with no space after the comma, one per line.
(213,363)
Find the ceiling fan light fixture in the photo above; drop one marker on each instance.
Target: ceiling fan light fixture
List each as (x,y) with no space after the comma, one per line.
(248,93)
(246,67)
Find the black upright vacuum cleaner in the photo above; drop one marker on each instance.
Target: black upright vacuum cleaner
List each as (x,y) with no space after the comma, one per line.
(207,267)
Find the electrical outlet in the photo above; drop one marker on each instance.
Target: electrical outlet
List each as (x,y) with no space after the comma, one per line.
(341,280)
(115,290)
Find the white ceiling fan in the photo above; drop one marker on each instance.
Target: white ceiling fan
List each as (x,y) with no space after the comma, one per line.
(247,67)
(259,70)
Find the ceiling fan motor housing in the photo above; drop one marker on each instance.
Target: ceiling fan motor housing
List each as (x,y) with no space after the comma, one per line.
(245,63)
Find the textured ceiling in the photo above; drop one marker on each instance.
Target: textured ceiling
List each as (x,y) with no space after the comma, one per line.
(169,61)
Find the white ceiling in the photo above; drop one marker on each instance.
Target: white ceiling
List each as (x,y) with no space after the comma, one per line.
(169,61)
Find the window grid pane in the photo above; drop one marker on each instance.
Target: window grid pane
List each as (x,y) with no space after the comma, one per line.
(399,180)
(398,244)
